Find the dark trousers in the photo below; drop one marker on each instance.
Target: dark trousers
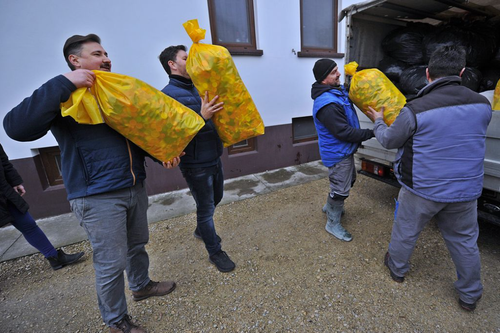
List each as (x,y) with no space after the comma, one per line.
(207,188)
(31,232)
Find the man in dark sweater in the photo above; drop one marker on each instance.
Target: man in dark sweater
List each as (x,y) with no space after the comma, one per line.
(339,136)
(201,165)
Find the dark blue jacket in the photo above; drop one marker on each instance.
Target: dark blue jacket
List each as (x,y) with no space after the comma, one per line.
(94,158)
(206,147)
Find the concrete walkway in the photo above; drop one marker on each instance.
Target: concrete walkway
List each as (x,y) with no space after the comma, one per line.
(65,230)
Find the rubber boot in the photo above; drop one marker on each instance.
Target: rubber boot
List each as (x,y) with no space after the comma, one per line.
(333,225)
(324,209)
(64,259)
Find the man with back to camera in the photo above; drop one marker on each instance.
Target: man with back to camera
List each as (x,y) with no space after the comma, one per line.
(440,136)
(201,165)
(104,177)
(339,137)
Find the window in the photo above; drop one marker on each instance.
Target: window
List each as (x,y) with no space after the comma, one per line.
(232,24)
(51,162)
(242,147)
(303,129)
(318,28)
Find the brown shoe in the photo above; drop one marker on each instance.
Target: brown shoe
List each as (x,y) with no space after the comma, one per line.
(126,326)
(154,289)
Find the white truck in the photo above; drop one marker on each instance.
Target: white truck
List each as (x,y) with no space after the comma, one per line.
(367,24)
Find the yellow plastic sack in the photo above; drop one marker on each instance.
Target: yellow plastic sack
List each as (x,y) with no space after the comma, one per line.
(370,87)
(212,69)
(152,120)
(496,97)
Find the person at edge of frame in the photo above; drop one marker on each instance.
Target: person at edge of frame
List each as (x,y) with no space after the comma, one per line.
(15,210)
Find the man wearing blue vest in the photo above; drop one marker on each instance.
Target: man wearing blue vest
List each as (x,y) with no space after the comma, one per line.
(441,139)
(201,165)
(339,136)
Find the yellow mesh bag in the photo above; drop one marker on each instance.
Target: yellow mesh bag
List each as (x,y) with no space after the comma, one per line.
(212,69)
(496,97)
(152,120)
(370,87)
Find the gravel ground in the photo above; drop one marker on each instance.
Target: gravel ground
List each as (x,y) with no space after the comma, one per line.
(291,275)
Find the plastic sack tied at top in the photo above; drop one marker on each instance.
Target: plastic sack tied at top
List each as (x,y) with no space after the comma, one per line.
(155,122)
(370,87)
(212,69)
(496,98)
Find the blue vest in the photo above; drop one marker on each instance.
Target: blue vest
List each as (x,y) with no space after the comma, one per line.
(443,160)
(331,149)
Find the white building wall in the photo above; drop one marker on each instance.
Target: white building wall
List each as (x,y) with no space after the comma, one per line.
(32,34)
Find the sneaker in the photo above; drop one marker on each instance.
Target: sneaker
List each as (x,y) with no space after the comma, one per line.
(197,235)
(222,262)
(468,306)
(126,326)
(154,289)
(398,279)
(64,259)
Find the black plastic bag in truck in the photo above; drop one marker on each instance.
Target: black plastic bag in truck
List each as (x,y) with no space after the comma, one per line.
(405,44)
(392,68)
(479,47)
(471,78)
(490,78)
(412,80)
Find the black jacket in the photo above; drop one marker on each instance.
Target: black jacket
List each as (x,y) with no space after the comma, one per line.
(8,179)
(206,147)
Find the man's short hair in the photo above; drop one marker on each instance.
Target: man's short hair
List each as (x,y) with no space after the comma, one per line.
(74,45)
(447,61)
(170,53)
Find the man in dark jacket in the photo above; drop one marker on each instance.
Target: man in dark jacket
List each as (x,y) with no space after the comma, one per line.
(201,166)
(441,139)
(339,136)
(104,176)
(14,210)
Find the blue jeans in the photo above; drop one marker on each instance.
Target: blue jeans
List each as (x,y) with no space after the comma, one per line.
(117,227)
(32,232)
(207,188)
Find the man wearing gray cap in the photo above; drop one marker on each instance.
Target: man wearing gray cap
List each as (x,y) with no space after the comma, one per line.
(339,136)
(104,177)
